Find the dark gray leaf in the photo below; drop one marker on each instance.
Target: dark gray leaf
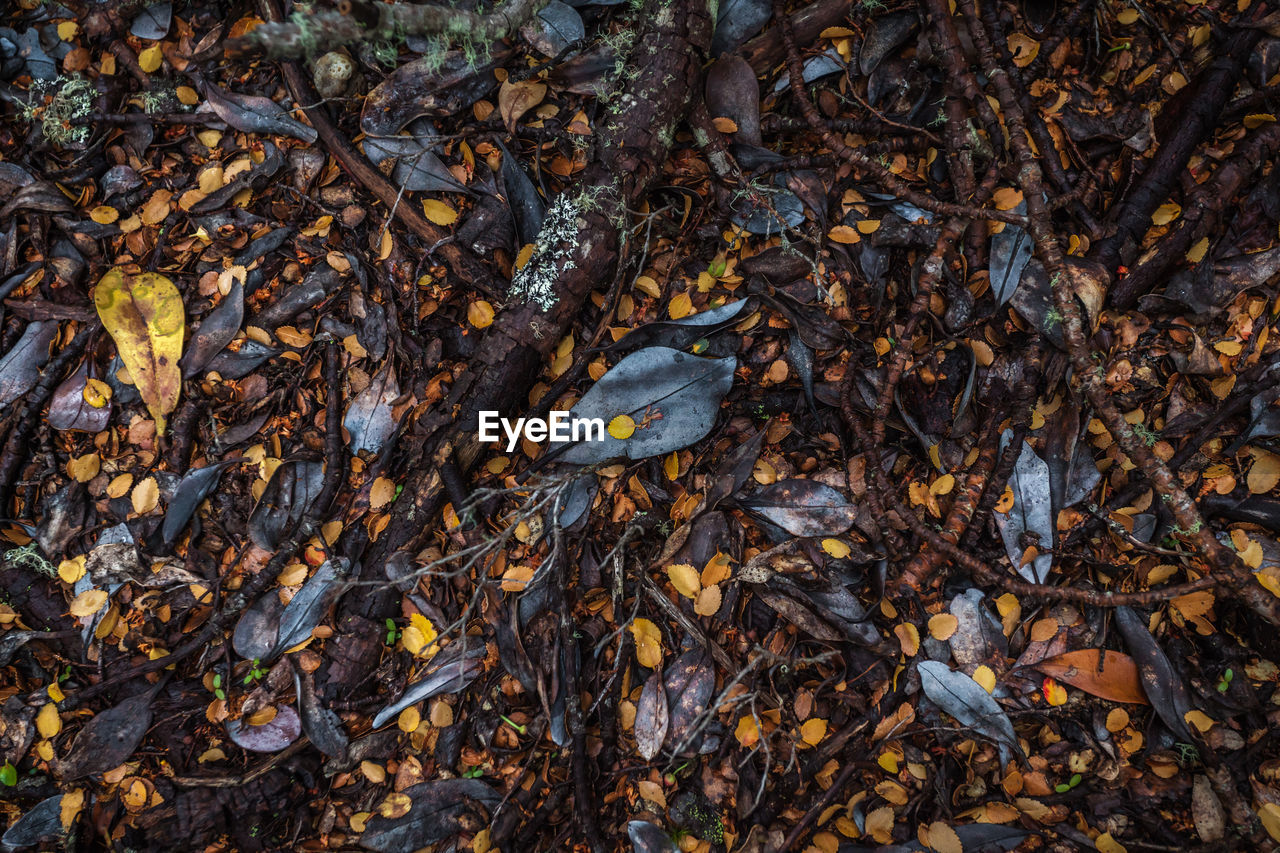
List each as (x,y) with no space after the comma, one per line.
(447,672)
(153,22)
(527,206)
(1160,680)
(217,329)
(256,114)
(690,681)
(68,410)
(258,628)
(1031,513)
(558,25)
(648,837)
(672,396)
(108,739)
(243,361)
(272,736)
(734,471)
(970,704)
(196,485)
(802,507)
(815,68)
(974,838)
(733,92)
(309,605)
(425,87)
(20,366)
(293,486)
(437,812)
(323,727)
(737,21)
(417,168)
(979,639)
(1011,249)
(43,823)
(679,334)
(368,420)
(886,34)
(787,210)
(651,717)
(11,641)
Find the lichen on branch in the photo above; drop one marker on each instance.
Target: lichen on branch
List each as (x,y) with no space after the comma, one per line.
(312,33)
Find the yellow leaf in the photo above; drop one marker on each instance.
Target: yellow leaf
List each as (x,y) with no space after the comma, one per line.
(868,226)
(813,731)
(844,234)
(69,807)
(88,603)
(48,723)
(648,642)
(943,626)
(1024,49)
(985,677)
(648,286)
(524,255)
(1265,473)
(942,838)
(1270,815)
(96,393)
(1106,844)
(67,30)
(708,601)
(150,58)
(685,579)
(671,466)
(480,314)
(1257,120)
(681,306)
(104,214)
(439,212)
(1202,721)
(836,548)
(145,317)
(381,493)
(1006,198)
(1166,213)
(747,732)
(409,719)
(1127,16)
(84,468)
(145,496)
(1196,253)
(72,570)
(725,125)
(943,485)
(515,99)
(622,427)
(908,637)
(188,96)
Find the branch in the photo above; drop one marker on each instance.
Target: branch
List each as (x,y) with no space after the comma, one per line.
(321,31)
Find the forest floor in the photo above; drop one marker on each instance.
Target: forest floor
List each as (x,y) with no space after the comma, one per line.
(931,487)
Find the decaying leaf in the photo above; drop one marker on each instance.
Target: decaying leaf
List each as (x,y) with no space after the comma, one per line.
(145,316)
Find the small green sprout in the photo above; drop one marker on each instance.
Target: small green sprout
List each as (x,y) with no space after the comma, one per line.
(1063,787)
(1224,683)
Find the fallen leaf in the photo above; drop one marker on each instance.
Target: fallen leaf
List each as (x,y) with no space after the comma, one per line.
(145,317)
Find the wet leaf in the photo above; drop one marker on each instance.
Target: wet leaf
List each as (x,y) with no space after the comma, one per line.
(108,739)
(1031,513)
(971,705)
(802,507)
(436,810)
(20,366)
(256,114)
(272,736)
(671,396)
(448,672)
(196,485)
(218,329)
(145,316)
(288,496)
(1160,681)
(651,717)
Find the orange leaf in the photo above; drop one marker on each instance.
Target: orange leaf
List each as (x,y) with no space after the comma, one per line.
(1115,678)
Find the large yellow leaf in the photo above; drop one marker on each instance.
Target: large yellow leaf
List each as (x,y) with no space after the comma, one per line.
(144,315)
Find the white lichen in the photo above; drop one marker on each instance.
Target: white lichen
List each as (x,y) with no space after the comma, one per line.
(552,254)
